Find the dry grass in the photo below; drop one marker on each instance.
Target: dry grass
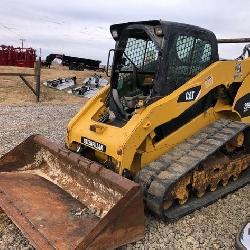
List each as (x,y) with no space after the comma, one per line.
(14,91)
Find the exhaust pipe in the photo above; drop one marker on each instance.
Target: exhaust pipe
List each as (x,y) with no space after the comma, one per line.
(234,40)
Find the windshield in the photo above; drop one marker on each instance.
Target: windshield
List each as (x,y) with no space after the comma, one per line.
(137,62)
(140,53)
(134,68)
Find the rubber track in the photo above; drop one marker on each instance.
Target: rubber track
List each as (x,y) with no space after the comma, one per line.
(158,177)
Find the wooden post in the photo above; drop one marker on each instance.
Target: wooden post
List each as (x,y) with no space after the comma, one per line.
(38,78)
(36,75)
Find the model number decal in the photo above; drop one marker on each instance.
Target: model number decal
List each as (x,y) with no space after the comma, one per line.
(246,107)
(242,106)
(93,144)
(190,94)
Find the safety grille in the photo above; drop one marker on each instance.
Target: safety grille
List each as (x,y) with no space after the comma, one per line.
(188,56)
(141,52)
(184,47)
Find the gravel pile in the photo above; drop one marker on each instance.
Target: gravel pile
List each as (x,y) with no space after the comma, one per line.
(18,122)
(213,227)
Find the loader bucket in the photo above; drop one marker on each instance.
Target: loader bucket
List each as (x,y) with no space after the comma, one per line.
(60,200)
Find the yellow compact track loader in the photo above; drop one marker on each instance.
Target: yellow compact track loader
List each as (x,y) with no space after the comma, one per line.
(174,120)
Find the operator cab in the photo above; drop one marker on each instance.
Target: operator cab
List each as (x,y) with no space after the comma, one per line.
(152,59)
(135,67)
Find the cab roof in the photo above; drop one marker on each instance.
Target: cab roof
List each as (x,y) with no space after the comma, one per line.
(165,25)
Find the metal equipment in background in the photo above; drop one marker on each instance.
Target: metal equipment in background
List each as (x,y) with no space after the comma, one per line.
(37,78)
(61,83)
(74,63)
(20,57)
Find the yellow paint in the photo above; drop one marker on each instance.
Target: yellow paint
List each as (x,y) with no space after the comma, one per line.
(243,90)
(135,140)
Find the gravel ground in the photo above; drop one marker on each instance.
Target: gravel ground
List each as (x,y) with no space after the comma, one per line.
(213,227)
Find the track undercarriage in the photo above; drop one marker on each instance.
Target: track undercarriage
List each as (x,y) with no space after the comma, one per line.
(200,170)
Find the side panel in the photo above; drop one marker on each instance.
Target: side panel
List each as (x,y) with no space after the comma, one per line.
(242,100)
(123,143)
(171,107)
(177,137)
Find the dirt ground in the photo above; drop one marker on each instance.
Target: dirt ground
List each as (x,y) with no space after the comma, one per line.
(14,91)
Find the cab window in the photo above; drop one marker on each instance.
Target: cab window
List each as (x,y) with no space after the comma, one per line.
(188,56)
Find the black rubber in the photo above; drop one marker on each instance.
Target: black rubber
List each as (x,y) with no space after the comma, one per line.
(159,177)
(195,203)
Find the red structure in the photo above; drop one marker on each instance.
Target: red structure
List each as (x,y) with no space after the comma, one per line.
(21,57)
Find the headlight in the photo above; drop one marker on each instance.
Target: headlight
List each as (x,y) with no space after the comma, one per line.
(115,34)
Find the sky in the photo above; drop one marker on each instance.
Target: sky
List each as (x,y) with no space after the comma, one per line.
(81,28)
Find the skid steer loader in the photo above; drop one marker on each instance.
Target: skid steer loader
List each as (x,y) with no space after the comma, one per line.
(174,121)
